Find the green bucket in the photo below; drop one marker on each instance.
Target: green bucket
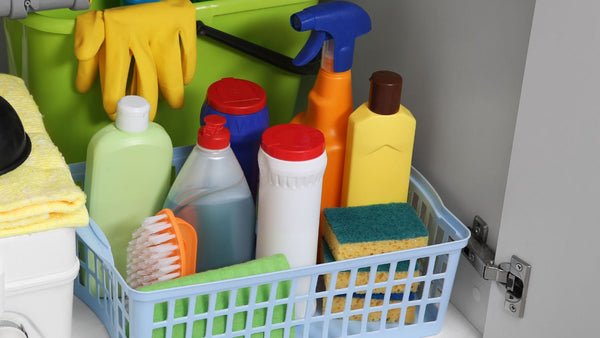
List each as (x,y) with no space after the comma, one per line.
(41,51)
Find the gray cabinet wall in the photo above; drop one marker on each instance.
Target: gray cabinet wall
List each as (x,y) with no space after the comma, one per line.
(505,93)
(462,63)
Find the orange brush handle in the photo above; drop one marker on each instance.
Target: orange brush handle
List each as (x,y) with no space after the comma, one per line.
(185,239)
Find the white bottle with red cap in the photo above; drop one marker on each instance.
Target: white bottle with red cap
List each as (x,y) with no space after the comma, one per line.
(210,192)
(291,160)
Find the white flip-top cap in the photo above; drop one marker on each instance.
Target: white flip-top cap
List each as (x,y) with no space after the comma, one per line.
(133,113)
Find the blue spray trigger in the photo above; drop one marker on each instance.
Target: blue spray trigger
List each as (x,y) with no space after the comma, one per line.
(341,21)
(311,48)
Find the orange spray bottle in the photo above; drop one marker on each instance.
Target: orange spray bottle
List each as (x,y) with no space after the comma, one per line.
(334,26)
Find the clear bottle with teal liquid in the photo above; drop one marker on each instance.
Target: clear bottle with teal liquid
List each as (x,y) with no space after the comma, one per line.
(211,193)
(128,173)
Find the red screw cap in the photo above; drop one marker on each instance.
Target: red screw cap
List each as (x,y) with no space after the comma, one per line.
(293,142)
(213,135)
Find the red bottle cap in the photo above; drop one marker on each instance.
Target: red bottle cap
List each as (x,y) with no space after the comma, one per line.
(293,142)
(236,96)
(213,135)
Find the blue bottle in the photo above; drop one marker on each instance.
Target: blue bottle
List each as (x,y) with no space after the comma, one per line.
(244,104)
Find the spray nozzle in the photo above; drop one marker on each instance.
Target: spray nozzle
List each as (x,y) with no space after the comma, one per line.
(339,21)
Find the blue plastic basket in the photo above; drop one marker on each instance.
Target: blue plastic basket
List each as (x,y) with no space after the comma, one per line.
(126,312)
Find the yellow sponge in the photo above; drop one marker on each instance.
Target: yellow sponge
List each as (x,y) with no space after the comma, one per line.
(358,302)
(362,275)
(368,230)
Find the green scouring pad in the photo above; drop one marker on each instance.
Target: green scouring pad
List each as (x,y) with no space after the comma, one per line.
(368,230)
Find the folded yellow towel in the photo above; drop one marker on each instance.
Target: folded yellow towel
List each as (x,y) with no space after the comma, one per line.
(40,194)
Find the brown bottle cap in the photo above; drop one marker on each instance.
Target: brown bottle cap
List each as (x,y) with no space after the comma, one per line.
(385,92)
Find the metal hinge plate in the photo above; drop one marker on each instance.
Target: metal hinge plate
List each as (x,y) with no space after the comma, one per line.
(514,275)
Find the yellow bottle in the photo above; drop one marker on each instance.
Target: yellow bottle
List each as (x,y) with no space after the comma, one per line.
(379,146)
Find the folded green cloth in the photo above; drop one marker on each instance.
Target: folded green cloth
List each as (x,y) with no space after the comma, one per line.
(262,265)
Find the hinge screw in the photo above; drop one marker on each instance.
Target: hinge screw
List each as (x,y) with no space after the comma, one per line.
(519,267)
(512,308)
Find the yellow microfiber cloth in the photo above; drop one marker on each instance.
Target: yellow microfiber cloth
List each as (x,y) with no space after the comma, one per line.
(40,194)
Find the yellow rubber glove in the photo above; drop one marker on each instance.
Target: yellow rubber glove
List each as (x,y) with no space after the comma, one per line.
(159,36)
(89,39)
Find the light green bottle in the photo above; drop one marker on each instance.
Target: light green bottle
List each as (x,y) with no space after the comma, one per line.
(128,173)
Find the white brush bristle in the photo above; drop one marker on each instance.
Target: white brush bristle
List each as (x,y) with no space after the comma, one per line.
(150,257)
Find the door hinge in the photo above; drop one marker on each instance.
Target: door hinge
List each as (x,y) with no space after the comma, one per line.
(513,275)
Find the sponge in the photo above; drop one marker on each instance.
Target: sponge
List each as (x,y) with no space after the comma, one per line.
(358,302)
(368,230)
(362,275)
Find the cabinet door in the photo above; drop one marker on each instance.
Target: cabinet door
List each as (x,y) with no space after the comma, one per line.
(550,214)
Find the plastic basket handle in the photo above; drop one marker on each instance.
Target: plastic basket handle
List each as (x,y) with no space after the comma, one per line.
(274,58)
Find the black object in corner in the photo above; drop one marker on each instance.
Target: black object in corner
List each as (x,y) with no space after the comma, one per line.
(15,145)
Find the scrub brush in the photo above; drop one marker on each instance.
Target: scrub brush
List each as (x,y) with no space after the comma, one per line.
(163,248)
